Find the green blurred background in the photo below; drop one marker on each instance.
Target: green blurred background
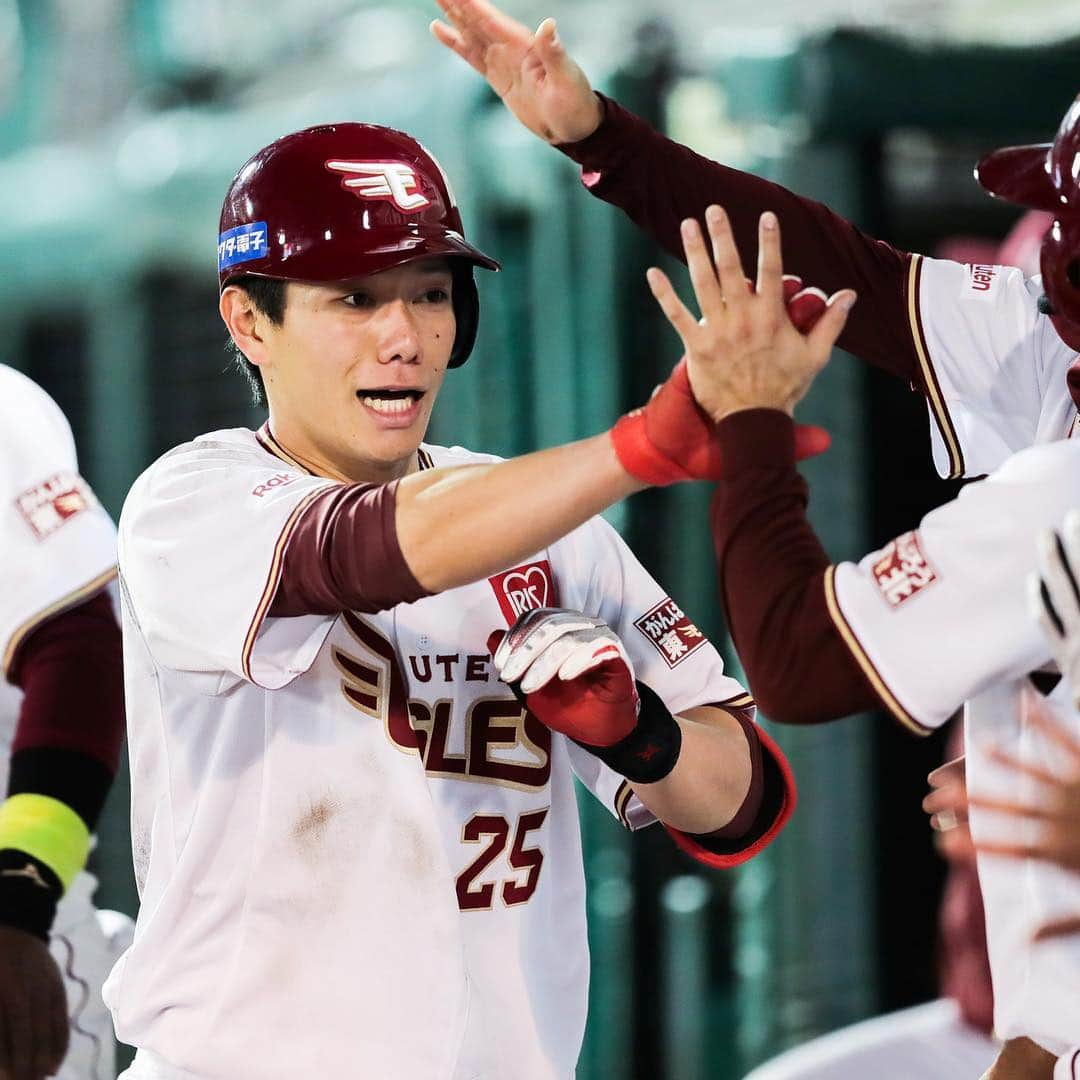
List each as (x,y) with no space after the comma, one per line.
(121,124)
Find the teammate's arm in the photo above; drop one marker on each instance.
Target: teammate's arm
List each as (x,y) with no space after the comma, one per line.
(658,182)
(64,757)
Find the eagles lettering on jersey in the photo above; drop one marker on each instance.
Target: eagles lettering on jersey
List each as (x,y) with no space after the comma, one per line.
(374,684)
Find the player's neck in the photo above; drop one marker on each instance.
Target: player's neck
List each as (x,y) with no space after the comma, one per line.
(322,461)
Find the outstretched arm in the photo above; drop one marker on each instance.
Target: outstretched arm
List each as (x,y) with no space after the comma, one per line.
(658,182)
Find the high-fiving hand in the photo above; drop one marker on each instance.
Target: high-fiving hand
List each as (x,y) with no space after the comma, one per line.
(532,73)
(744,352)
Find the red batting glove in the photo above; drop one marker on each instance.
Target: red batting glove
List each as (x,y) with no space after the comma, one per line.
(672,438)
(573,673)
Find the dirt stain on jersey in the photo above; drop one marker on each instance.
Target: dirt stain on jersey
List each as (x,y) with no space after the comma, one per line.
(311,825)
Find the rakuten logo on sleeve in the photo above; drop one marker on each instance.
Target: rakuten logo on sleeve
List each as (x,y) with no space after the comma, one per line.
(54,502)
(901,570)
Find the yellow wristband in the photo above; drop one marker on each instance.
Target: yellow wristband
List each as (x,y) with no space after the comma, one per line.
(47,829)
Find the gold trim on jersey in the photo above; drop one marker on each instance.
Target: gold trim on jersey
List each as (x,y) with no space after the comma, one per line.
(272,580)
(623,795)
(267,440)
(84,592)
(933,388)
(881,688)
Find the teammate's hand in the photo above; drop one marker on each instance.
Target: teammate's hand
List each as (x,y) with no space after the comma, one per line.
(947,805)
(33,1008)
(1055,597)
(573,672)
(532,73)
(1055,811)
(744,352)
(673,438)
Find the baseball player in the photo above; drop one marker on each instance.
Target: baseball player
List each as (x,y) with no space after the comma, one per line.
(362,670)
(994,355)
(61,725)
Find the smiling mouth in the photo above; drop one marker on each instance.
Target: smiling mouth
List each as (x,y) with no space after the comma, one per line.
(390,402)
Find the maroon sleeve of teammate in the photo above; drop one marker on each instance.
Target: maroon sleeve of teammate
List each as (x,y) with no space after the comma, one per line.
(71,721)
(769,803)
(771,568)
(343,555)
(658,182)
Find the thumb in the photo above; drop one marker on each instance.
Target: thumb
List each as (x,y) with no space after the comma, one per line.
(810,441)
(495,639)
(831,323)
(548,45)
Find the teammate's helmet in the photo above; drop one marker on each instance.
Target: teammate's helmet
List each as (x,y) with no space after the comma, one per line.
(1047,177)
(341,201)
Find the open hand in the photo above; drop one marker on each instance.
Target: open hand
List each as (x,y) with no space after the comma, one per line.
(532,73)
(744,352)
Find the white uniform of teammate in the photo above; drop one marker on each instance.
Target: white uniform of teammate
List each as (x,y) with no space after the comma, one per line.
(329,890)
(59,548)
(997,372)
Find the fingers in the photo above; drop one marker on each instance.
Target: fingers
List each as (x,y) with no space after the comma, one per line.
(729,271)
(955,844)
(495,639)
(951,772)
(594,654)
(702,273)
(1042,720)
(1058,928)
(1015,764)
(675,311)
(947,807)
(546,666)
(449,37)
(770,267)
(516,654)
(792,285)
(810,440)
(831,324)
(548,46)
(1010,809)
(805,308)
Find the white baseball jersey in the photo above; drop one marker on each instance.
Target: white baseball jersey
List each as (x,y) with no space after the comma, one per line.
(994,366)
(1068,1065)
(357,854)
(59,549)
(939,617)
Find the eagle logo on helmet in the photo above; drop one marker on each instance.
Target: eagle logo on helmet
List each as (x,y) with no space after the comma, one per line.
(390,181)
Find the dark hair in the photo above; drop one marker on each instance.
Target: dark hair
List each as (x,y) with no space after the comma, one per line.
(268,296)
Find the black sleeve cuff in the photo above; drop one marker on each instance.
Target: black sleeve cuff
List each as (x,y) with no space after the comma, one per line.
(29,893)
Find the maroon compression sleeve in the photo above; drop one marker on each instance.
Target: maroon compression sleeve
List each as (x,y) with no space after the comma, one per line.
(658,182)
(771,568)
(343,555)
(70,670)
(750,807)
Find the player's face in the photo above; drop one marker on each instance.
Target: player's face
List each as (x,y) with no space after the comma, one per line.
(353,371)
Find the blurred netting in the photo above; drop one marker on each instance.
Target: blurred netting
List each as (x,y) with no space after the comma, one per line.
(122,125)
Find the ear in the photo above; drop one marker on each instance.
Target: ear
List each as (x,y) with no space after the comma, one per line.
(247,325)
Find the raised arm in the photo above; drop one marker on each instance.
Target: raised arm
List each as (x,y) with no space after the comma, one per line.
(658,182)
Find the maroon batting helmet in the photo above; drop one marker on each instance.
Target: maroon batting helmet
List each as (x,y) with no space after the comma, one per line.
(342,201)
(1047,177)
